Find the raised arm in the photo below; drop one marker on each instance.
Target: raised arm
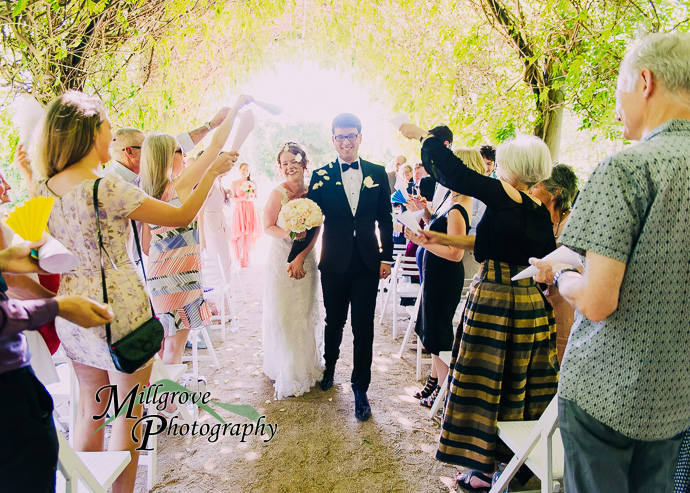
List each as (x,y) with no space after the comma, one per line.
(198,134)
(154,211)
(193,174)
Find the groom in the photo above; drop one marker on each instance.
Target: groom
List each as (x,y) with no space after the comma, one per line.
(354,196)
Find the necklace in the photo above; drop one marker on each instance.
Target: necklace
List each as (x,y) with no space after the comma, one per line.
(561,216)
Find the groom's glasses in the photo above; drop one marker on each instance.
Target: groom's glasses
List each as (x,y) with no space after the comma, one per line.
(350,137)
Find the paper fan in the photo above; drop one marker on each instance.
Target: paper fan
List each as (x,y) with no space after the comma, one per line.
(398,198)
(29,220)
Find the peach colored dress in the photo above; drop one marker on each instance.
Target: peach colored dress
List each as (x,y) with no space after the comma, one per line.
(246,225)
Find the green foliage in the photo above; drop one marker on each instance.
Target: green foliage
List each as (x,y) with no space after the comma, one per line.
(487,68)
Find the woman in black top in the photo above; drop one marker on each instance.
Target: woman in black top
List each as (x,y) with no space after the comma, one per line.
(504,365)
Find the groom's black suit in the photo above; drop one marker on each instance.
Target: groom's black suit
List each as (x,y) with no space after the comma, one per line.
(351,259)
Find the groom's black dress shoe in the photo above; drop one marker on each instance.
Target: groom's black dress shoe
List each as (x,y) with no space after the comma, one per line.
(327,380)
(362,407)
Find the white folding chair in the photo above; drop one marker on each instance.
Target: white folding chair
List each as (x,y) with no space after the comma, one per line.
(65,392)
(211,355)
(217,290)
(537,444)
(94,472)
(149,459)
(410,325)
(403,267)
(384,284)
(445,357)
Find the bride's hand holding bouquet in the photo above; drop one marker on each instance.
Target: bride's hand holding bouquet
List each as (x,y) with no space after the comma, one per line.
(300,215)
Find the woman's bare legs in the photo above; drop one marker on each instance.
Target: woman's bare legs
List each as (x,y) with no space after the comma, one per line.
(90,381)
(438,368)
(173,347)
(121,434)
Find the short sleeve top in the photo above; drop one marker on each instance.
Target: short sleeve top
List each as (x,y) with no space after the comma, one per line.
(630,371)
(73,221)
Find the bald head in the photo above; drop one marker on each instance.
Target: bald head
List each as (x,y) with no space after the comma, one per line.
(126,147)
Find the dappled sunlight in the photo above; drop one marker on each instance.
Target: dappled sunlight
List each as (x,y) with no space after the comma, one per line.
(209,466)
(226,450)
(405,398)
(250,456)
(404,421)
(382,368)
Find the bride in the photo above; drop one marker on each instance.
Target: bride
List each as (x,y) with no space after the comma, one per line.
(292,331)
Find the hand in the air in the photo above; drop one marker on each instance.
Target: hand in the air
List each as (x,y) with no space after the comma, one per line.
(224,162)
(411,131)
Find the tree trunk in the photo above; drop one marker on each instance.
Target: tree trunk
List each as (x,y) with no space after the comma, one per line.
(549,128)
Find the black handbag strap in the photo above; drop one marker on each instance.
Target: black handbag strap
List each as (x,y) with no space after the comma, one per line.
(102,249)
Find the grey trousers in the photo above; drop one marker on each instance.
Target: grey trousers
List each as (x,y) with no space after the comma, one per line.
(599,459)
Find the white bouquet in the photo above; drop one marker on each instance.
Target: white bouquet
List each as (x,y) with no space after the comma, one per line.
(299,215)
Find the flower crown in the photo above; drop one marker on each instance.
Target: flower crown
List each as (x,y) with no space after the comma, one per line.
(286,148)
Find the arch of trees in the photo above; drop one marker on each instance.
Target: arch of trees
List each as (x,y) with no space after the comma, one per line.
(489,68)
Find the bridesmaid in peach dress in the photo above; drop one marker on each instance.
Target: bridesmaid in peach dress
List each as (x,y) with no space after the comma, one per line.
(246,222)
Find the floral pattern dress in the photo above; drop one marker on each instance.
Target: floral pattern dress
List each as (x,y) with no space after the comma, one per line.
(73,223)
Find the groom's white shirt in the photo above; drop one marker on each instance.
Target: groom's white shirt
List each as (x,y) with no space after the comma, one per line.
(352,182)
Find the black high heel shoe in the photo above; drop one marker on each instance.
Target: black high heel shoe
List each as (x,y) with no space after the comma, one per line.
(429,401)
(431,384)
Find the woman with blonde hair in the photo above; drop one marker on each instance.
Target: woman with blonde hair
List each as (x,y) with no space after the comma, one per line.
(74,143)
(504,364)
(443,274)
(174,267)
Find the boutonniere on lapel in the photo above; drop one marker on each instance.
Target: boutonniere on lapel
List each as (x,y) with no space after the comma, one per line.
(368,182)
(323,174)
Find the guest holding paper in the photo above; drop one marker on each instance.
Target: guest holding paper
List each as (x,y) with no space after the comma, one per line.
(508,331)
(174,268)
(443,274)
(28,440)
(558,193)
(246,222)
(74,143)
(625,385)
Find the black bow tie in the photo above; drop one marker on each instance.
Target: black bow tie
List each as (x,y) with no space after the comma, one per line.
(347,166)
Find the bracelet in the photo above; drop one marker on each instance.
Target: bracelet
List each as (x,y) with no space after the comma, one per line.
(558,274)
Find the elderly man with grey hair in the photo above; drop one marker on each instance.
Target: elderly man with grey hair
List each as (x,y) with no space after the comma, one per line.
(624,392)
(126,146)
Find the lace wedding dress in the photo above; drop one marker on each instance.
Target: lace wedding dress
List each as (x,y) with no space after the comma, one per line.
(291,326)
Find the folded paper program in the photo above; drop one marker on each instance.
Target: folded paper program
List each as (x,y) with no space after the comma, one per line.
(561,254)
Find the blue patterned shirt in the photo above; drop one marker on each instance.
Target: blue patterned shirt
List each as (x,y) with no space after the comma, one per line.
(631,371)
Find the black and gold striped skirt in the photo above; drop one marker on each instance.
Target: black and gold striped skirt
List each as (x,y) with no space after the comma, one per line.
(504,365)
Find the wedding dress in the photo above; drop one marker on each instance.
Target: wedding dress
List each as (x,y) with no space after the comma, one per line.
(291,325)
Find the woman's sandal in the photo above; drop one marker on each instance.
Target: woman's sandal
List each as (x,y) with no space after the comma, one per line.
(429,401)
(464,479)
(431,384)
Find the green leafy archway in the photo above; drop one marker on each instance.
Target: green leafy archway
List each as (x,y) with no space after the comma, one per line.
(488,68)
